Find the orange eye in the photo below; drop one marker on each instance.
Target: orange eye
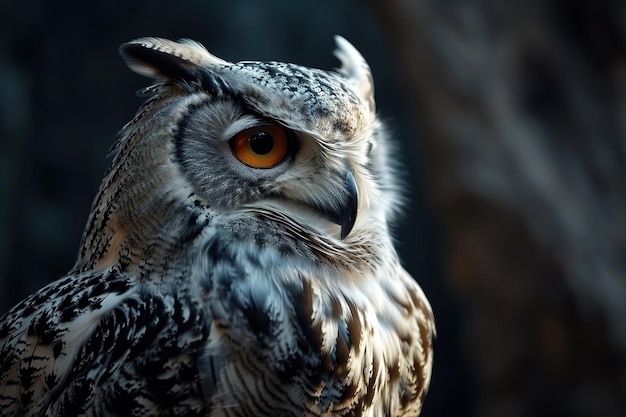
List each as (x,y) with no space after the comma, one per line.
(261,146)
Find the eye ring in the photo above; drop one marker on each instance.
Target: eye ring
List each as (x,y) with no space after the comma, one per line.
(261,146)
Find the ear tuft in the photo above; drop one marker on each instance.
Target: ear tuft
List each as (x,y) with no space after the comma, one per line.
(165,59)
(356,70)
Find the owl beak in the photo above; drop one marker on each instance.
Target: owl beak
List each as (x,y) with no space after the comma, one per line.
(348,211)
(344,213)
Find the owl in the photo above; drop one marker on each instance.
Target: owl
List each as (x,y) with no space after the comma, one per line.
(237,260)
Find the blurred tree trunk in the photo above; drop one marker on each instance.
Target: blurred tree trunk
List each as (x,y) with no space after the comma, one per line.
(522,110)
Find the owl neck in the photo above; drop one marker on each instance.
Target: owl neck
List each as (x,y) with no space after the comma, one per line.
(141,211)
(124,232)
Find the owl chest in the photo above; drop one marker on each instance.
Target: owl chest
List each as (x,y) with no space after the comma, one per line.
(274,320)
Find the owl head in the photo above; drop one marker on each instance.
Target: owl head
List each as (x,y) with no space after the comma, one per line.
(298,141)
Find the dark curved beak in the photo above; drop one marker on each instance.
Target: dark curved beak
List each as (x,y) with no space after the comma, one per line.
(344,213)
(348,212)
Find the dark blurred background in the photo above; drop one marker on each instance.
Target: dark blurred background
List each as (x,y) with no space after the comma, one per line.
(511,124)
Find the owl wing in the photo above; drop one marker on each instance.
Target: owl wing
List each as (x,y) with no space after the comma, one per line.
(97,344)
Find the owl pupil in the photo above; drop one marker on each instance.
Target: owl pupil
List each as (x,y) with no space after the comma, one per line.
(261,143)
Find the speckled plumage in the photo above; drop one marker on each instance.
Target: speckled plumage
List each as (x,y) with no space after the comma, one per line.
(207,287)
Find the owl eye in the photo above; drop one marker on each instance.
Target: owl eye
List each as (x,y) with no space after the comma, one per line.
(261,146)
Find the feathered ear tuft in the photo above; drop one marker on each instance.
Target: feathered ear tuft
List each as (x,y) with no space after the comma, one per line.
(356,70)
(165,59)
